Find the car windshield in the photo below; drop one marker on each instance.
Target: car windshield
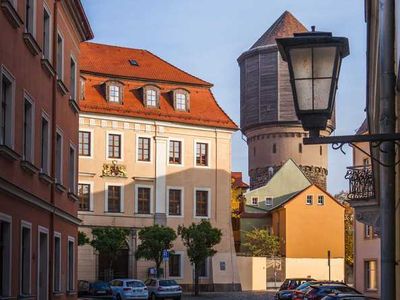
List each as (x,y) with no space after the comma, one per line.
(304,285)
(100,285)
(168,282)
(341,289)
(134,284)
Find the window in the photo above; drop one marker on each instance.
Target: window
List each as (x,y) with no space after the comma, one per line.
(203,272)
(371,275)
(30,16)
(201,154)
(59,157)
(72,83)
(114,93)
(320,150)
(114,146)
(44,162)
(151,98)
(7,109)
(181,101)
(268,201)
(174,265)
(175,202)
(70,264)
(72,170)
(369,232)
(175,152)
(254,201)
(60,56)
(273,148)
(57,263)
(143,149)
(46,34)
(254,151)
(309,200)
(366,162)
(321,200)
(202,205)
(42,264)
(84,143)
(114,198)
(300,148)
(84,197)
(143,200)
(83,86)
(28,130)
(5,255)
(26,258)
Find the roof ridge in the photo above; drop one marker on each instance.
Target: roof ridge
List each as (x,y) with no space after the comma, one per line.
(114,46)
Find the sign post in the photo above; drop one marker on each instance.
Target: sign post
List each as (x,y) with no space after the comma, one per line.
(329,264)
(165,255)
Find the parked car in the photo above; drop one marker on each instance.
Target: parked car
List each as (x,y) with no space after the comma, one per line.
(100,288)
(345,297)
(127,289)
(164,289)
(287,287)
(83,287)
(319,291)
(299,292)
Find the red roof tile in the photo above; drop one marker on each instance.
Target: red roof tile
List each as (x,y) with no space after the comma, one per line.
(237,180)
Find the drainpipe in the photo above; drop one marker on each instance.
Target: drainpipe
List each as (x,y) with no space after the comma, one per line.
(387,122)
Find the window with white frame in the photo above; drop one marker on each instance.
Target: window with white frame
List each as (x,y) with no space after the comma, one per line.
(59,157)
(30,16)
(45,140)
(114,93)
(84,196)
(26,259)
(201,154)
(72,81)
(5,256)
(70,264)
(114,145)
(143,149)
(254,201)
(143,200)
(114,198)
(202,204)
(7,108)
(57,263)
(28,130)
(60,56)
(46,33)
(175,152)
(175,202)
(175,265)
(309,199)
(321,200)
(181,101)
(85,143)
(72,170)
(151,98)
(268,201)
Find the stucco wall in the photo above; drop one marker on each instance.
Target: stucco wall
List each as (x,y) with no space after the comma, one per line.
(316,268)
(253,273)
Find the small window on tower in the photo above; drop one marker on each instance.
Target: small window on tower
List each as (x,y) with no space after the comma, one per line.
(274,148)
(320,150)
(254,151)
(300,148)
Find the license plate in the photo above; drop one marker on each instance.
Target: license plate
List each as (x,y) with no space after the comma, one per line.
(101,292)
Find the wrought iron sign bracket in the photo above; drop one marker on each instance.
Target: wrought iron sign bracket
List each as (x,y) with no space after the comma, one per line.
(376,140)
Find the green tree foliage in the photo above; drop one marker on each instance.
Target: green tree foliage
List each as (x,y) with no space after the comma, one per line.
(109,241)
(82,238)
(154,240)
(259,242)
(348,228)
(199,239)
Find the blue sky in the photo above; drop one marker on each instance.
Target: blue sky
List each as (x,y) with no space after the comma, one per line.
(205,38)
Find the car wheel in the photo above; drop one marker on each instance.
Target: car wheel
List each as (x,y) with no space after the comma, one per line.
(118,297)
(178,298)
(154,297)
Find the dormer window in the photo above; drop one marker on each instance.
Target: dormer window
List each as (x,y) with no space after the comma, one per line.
(114,91)
(181,100)
(151,96)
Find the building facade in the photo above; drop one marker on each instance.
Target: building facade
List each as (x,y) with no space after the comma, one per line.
(267,114)
(39,63)
(155,148)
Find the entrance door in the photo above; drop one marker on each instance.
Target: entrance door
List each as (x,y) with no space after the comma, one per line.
(43,263)
(120,268)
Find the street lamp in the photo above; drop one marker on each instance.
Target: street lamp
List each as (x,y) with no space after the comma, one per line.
(314,60)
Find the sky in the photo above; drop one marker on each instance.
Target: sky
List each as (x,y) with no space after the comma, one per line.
(205,37)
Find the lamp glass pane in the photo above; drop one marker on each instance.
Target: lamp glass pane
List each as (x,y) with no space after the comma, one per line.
(301,62)
(324,61)
(304,94)
(322,88)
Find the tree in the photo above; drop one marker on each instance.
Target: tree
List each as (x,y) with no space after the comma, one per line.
(109,241)
(154,239)
(199,239)
(82,238)
(348,227)
(259,242)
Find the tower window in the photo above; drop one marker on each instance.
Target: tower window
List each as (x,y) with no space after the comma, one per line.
(300,148)
(274,148)
(320,150)
(254,151)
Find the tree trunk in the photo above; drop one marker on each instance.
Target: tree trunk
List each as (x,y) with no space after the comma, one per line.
(158,269)
(196,279)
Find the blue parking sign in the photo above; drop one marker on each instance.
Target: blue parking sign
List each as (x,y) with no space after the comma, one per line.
(165,255)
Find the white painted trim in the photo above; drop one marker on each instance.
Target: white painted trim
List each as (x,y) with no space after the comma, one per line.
(6,73)
(203,141)
(44,230)
(91,202)
(208,202)
(182,164)
(181,265)
(8,219)
(312,199)
(121,206)
(182,189)
(57,235)
(46,7)
(62,55)
(151,138)
(91,131)
(29,98)
(47,118)
(28,225)
(71,239)
(60,132)
(151,187)
(121,133)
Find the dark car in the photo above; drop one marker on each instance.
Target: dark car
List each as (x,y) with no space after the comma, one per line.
(100,288)
(83,287)
(287,287)
(319,291)
(345,297)
(299,292)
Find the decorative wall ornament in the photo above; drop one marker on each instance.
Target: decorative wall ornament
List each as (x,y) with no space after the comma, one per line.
(361,183)
(114,170)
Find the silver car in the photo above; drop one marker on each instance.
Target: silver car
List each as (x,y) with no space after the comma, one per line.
(129,289)
(164,289)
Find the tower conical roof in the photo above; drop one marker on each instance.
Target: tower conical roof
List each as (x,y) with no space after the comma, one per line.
(284,26)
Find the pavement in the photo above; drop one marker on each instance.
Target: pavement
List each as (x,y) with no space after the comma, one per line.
(232,296)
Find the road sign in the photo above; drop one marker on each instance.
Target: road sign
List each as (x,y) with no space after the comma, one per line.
(165,255)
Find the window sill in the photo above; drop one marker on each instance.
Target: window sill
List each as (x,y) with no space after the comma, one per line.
(46,179)
(28,167)
(60,188)
(116,213)
(73,197)
(46,65)
(74,105)
(58,293)
(143,215)
(31,43)
(175,216)
(61,87)
(8,153)
(85,212)
(11,14)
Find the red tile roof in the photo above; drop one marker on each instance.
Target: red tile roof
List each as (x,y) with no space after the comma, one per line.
(284,26)
(114,60)
(237,180)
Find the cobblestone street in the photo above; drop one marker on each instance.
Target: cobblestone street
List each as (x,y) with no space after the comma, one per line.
(233,296)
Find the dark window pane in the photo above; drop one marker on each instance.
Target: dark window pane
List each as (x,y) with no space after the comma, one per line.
(84,196)
(174,265)
(201,203)
(143,200)
(175,202)
(114,146)
(84,143)
(201,154)
(175,152)
(114,198)
(143,149)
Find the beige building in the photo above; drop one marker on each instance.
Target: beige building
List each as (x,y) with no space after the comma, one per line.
(155,147)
